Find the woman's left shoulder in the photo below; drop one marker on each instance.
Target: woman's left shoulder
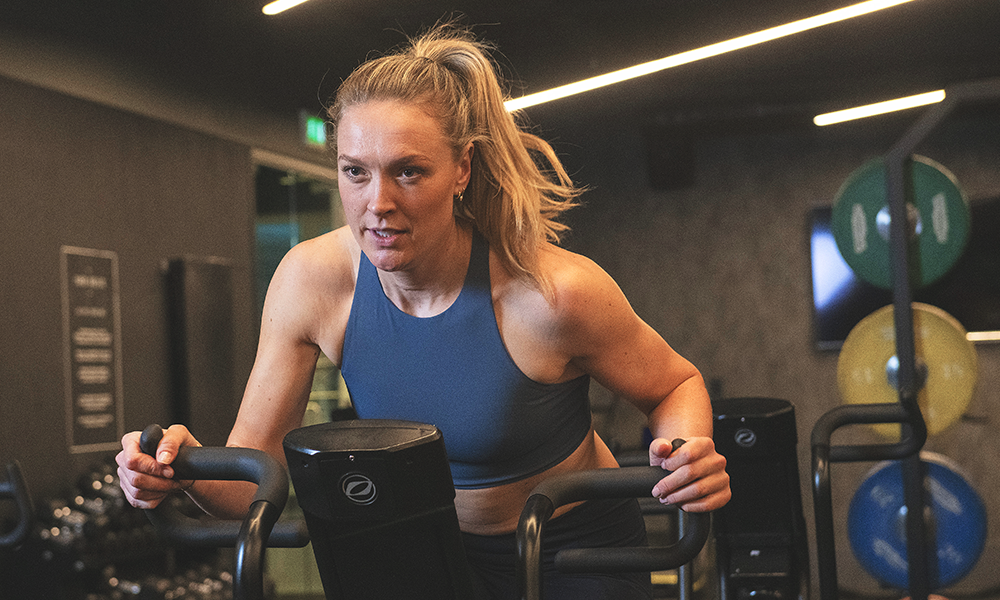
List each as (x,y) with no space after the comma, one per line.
(574,277)
(545,325)
(568,285)
(580,295)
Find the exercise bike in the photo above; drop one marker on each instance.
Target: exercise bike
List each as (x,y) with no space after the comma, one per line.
(378,502)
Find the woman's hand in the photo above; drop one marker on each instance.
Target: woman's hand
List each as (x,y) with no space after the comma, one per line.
(147,480)
(698,482)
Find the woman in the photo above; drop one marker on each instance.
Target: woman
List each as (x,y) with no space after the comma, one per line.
(445,300)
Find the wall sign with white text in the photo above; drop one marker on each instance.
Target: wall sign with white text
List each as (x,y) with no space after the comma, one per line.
(92,347)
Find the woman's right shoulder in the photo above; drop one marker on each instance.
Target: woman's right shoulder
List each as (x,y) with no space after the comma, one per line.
(326,264)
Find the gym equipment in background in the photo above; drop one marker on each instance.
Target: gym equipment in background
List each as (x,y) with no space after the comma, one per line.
(352,480)
(956,514)
(905,237)
(16,489)
(88,542)
(938,215)
(947,367)
(199,297)
(761,545)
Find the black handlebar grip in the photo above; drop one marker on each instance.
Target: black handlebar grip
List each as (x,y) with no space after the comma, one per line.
(150,438)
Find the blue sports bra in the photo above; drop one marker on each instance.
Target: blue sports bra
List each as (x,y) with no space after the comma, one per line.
(453,371)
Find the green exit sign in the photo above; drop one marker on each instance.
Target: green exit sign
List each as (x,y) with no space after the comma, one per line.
(313,130)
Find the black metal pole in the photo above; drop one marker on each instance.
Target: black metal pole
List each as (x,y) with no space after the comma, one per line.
(826,555)
(823,455)
(899,165)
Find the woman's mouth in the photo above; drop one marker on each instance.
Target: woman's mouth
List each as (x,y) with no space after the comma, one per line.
(384,236)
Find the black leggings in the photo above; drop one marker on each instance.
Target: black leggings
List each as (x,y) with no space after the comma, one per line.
(593,524)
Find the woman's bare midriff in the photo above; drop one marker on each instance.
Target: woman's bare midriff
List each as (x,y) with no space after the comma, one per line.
(496,510)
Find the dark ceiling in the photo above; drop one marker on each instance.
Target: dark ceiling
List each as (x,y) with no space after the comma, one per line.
(294,60)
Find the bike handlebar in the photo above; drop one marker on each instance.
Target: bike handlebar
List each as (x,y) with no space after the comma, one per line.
(251,536)
(623,482)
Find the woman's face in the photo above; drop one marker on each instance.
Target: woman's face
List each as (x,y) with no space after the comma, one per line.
(397,178)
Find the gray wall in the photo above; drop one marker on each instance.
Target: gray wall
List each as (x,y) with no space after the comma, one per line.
(76,173)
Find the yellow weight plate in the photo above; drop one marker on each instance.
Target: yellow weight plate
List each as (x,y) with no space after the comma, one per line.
(941,347)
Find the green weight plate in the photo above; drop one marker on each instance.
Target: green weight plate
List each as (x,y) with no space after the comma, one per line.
(938,214)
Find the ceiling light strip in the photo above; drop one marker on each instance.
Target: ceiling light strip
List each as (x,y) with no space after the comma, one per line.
(879,108)
(280,5)
(690,56)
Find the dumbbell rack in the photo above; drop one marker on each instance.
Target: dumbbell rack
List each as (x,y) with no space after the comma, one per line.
(906,412)
(91,543)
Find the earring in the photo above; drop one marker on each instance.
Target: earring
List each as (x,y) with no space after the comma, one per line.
(459,209)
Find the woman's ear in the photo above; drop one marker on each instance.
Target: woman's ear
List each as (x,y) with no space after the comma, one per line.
(464,168)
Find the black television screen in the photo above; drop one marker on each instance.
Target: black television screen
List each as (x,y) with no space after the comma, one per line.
(970,291)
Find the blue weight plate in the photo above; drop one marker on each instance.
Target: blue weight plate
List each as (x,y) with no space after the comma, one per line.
(877,530)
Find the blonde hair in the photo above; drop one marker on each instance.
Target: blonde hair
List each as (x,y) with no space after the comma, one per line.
(512,200)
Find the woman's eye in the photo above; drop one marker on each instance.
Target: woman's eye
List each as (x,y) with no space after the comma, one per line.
(352,171)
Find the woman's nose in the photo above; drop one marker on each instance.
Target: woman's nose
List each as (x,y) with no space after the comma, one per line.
(381,199)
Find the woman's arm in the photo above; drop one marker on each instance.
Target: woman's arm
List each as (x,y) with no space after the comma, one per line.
(273,403)
(308,300)
(606,339)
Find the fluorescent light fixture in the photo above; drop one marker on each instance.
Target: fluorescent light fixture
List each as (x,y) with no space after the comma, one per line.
(983,336)
(690,56)
(280,5)
(879,108)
